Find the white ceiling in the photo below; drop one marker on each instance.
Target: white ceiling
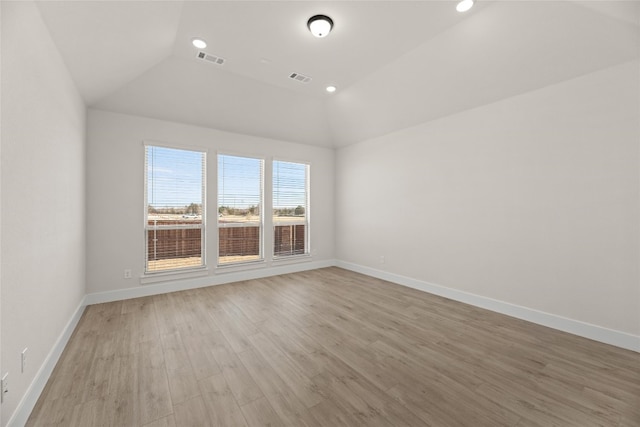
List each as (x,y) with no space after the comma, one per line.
(395,63)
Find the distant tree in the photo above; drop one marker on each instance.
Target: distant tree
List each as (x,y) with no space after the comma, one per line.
(193,209)
(152,210)
(287,211)
(298,211)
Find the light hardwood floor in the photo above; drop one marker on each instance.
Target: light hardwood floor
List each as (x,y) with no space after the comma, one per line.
(330,348)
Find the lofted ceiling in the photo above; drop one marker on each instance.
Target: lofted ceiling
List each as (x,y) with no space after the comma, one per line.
(395,63)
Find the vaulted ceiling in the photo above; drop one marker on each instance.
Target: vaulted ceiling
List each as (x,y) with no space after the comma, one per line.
(395,63)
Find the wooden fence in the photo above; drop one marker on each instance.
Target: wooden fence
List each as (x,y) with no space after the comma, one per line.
(289,240)
(239,241)
(233,241)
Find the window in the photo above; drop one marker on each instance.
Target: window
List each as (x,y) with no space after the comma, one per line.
(174,208)
(239,209)
(290,209)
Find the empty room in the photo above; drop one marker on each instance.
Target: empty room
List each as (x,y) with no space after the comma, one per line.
(318,213)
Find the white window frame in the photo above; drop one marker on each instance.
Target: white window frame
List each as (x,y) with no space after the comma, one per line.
(261,221)
(201,226)
(307,216)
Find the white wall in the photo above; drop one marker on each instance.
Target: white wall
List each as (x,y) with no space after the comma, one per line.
(532,200)
(43,196)
(115,179)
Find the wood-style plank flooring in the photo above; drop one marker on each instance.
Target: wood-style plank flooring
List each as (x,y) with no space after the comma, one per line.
(329,347)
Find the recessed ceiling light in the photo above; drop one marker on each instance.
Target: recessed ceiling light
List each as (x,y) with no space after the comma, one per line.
(464,5)
(320,25)
(331,89)
(199,43)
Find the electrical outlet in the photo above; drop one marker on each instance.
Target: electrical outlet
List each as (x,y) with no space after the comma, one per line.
(4,386)
(23,359)
(127,273)
(381,259)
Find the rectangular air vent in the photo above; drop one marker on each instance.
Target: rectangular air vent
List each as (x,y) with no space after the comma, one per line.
(210,58)
(300,77)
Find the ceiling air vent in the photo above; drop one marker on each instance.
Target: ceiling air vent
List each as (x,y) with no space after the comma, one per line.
(210,58)
(300,77)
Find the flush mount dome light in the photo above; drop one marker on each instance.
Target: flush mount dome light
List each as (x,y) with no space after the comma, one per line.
(320,25)
(464,5)
(331,89)
(199,43)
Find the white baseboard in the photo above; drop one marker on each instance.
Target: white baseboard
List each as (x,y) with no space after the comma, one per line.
(30,398)
(201,282)
(575,327)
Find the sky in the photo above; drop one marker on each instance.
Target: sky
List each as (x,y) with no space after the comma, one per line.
(239,181)
(289,187)
(174,179)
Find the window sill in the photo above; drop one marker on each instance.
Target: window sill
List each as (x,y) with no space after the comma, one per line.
(292,259)
(255,265)
(241,266)
(173,275)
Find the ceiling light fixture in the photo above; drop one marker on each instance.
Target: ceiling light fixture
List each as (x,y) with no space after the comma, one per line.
(464,5)
(320,25)
(331,89)
(199,43)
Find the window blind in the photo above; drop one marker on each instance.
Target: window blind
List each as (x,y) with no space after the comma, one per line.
(240,186)
(174,208)
(290,208)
